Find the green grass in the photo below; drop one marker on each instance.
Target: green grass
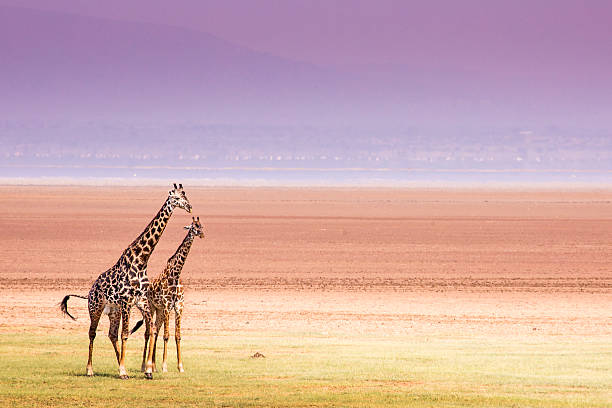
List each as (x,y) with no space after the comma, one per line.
(309,370)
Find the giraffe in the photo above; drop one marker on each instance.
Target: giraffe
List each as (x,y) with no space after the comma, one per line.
(166,293)
(120,287)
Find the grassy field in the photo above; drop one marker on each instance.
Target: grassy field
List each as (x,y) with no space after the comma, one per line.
(309,370)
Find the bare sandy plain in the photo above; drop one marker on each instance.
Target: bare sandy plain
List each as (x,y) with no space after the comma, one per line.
(365,261)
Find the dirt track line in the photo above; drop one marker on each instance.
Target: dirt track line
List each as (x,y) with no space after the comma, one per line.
(556,285)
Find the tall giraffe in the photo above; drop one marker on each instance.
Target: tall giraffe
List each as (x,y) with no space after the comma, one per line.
(165,294)
(122,285)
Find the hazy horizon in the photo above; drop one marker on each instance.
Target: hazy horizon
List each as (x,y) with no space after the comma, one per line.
(307,93)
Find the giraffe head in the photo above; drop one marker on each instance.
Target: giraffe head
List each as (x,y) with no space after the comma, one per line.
(195,227)
(178,198)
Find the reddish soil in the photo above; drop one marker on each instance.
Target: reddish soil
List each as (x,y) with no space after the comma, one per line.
(378,262)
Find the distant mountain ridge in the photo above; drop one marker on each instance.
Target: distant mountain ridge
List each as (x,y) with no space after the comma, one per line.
(61,62)
(65,65)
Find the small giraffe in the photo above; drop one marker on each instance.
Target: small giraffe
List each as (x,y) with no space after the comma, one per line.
(125,283)
(166,293)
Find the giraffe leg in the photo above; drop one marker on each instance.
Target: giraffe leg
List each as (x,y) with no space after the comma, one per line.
(159,316)
(166,337)
(125,332)
(114,318)
(95,312)
(147,334)
(177,334)
(146,313)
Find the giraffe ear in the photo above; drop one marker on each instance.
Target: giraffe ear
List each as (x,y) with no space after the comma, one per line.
(180,186)
(175,186)
(187,227)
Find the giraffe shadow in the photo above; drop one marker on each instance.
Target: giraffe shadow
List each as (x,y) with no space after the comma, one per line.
(134,375)
(104,375)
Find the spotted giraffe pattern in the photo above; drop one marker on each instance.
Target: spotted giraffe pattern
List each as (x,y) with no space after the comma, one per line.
(122,286)
(166,293)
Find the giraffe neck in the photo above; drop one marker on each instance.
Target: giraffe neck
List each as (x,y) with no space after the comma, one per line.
(145,243)
(176,262)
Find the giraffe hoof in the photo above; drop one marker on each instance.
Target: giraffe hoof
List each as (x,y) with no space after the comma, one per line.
(149,376)
(124,376)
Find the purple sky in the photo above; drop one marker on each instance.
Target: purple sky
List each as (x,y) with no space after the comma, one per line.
(358,32)
(471,72)
(469,61)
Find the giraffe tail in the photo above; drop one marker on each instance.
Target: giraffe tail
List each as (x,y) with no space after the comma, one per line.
(64,305)
(138,324)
